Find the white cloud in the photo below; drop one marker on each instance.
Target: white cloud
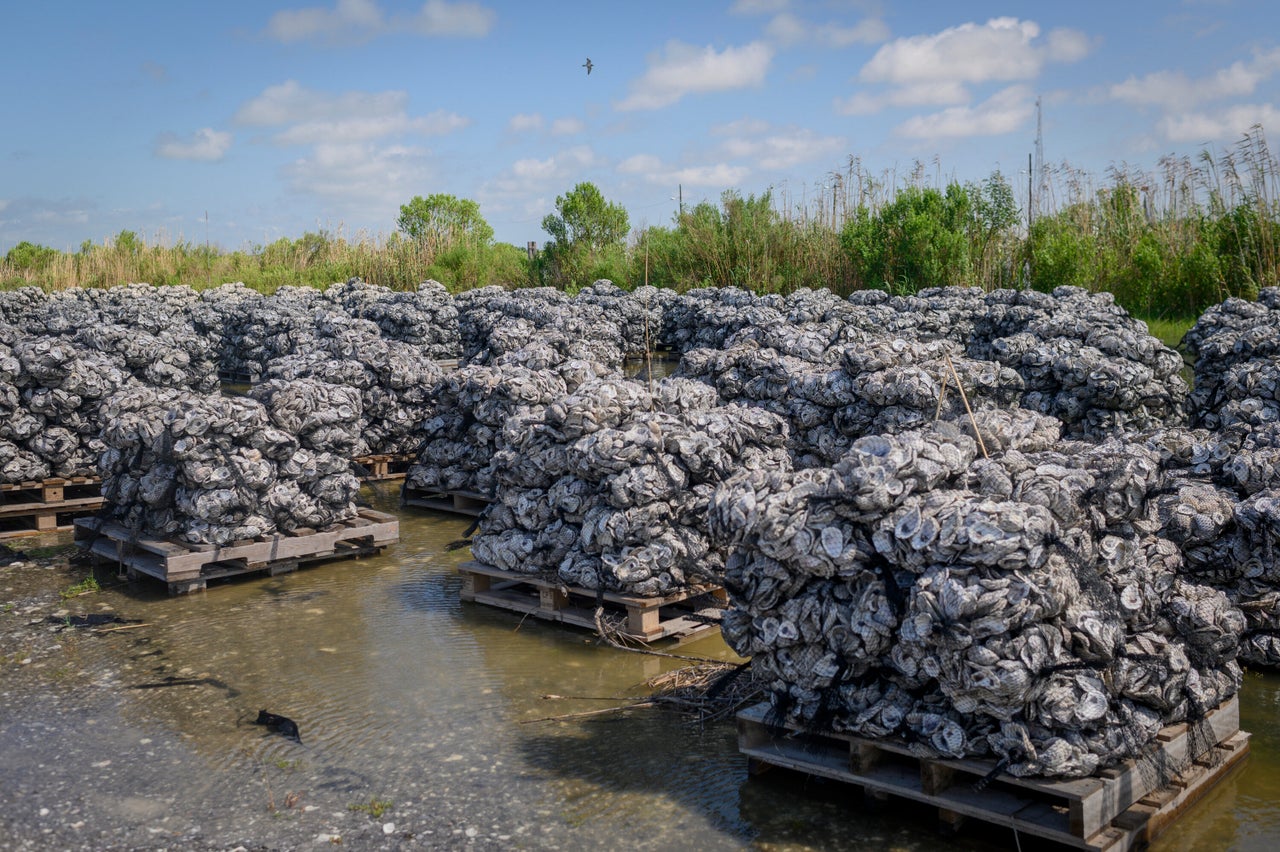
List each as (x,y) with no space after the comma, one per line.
(365,179)
(567,126)
(1227,124)
(205,144)
(741,127)
(310,117)
(1002,49)
(438,123)
(1174,90)
(438,18)
(357,145)
(721,175)
(638,164)
(357,21)
(758,7)
(789,30)
(942,93)
(785,150)
(1005,111)
(525,123)
(531,175)
(348,21)
(686,69)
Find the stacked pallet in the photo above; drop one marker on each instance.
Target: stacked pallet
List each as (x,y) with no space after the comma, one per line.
(1117,809)
(49,505)
(188,567)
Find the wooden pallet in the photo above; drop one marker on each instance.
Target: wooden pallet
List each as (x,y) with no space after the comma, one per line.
(458,502)
(50,505)
(1117,809)
(384,466)
(682,616)
(239,377)
(188,567)
(447,363)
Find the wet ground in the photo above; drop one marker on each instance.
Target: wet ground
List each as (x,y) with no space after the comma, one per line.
(423,723)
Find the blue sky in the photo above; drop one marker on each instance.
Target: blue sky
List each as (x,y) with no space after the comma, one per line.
(278,118)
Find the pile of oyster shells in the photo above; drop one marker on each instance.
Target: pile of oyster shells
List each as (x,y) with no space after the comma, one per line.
(214,470)
(1023,606)
(396,383)
(1071,354)
(252,329)
(496,322)
(473,404)
(1224,508)
(61,354)
(879,386)
(607,487)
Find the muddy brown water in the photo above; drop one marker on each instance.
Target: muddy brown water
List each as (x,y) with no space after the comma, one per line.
(417,716)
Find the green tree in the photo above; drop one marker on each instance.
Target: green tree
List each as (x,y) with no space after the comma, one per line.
(588,240)
(442,221)
(30,256)
(919,239)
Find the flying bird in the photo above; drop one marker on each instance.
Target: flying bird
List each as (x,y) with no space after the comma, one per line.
(587,65)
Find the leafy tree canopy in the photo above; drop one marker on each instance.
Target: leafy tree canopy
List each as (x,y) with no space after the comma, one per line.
(442,220)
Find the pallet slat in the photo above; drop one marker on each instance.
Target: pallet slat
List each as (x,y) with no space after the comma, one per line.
(467,503)
(383,466)
(1115,810)
(683,616)
(49,505)
(186,567)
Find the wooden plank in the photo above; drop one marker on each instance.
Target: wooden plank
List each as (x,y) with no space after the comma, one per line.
(1047,808)
(180,562)
(551,600)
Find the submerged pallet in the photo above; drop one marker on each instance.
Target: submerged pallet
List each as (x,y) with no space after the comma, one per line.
(459,502)
(50,505)
(239,377)
(1116,809)
(383,466)
(188,567)
(681,616)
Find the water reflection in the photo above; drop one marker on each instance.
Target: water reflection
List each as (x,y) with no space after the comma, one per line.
(402,691)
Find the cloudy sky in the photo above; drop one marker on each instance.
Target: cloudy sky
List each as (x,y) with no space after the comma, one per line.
(247,121)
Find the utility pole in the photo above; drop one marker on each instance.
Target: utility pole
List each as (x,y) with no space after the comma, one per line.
(1041,172)
(208,272)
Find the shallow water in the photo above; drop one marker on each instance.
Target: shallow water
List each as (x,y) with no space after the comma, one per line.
(403,693)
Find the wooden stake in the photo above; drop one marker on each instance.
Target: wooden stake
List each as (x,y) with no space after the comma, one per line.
(963,396)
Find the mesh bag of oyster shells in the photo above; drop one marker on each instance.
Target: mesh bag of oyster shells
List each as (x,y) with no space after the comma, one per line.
(50,390)
(1022,607)
(496,322)
(213,470)
(1237,363)
(395,380)
(607,488)
(426,317)
(882,386)
(472,405)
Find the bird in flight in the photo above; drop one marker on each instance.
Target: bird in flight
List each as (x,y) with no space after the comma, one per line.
(587,65)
